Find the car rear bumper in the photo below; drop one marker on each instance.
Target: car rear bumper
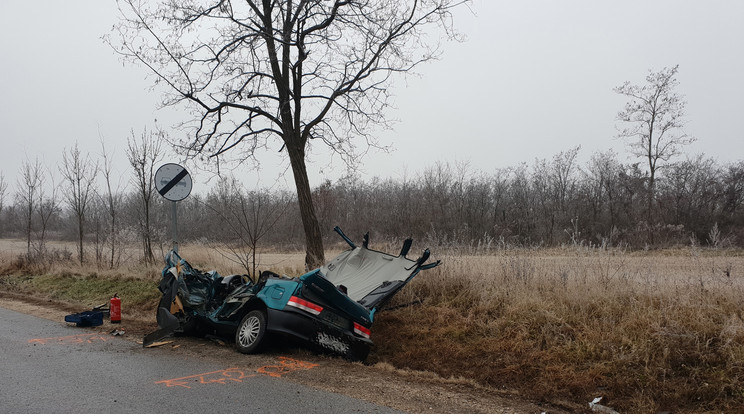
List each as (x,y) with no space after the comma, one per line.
(317,332)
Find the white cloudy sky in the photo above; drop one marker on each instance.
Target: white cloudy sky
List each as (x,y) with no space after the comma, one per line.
(535,77)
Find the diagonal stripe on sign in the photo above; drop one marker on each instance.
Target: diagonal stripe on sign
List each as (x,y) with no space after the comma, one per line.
(163,191)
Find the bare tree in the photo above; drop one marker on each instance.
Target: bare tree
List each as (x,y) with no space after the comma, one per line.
(48,209)
(143,155)
(246,217)
(652,123)
(296,70)
(79,173)
(257,216)
(112,201)
(563,175)
(26,195)
(98,221)
(3,190)
(601,183)
(733,193)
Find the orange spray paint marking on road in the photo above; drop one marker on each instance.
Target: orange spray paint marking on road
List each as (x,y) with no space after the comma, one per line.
(71,339)
(214,377)
(285,366)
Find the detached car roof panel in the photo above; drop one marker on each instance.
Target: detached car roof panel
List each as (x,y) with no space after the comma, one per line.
(362,270)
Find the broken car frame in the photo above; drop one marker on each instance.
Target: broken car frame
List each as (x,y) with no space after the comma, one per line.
(331,308)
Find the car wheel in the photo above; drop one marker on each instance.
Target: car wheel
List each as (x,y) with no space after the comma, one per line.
(251,332)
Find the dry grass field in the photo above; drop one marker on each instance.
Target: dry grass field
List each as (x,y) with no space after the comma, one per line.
(648,331)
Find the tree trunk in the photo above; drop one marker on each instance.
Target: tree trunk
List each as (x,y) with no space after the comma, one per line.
(314,254)
(80,239)
(112,236)
(650,212)
(28,234)
(146,236)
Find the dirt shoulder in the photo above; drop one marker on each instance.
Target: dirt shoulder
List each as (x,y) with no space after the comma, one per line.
(406,390)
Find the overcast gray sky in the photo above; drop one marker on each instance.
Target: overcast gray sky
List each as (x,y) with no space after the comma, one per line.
(534,77)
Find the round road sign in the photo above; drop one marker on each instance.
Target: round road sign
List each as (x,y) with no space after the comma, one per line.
(173,182)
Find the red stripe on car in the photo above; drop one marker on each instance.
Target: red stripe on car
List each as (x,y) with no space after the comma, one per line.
(307,306)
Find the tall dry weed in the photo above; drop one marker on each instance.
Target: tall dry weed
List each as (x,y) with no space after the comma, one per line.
(646,331)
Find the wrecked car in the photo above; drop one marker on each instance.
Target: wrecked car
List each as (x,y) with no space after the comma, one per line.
(331,308)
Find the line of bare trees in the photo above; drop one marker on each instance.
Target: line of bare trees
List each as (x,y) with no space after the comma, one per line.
(72,206)
(549,202)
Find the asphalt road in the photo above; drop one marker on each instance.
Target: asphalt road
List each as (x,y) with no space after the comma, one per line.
(49,367)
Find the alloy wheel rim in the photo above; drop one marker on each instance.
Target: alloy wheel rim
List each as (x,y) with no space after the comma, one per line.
(249,331)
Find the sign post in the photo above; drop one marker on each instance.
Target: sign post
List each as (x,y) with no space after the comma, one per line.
(173,182)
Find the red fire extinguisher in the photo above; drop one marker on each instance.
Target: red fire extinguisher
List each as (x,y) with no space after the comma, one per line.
(115,309)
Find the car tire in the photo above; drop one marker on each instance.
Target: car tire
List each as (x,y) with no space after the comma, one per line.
(251,332)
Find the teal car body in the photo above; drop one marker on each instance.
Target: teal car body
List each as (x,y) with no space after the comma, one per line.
(331,308)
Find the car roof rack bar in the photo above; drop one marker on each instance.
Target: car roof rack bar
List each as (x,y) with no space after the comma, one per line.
(431,265)
(337,229)
(406,247)
(424,257)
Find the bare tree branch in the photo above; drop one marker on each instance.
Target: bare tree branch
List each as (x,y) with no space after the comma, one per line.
(653,119)
(286,72)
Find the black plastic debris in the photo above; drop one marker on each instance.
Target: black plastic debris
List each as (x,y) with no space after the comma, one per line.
(87,318)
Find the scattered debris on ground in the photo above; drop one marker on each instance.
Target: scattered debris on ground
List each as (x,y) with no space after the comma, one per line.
(85,319)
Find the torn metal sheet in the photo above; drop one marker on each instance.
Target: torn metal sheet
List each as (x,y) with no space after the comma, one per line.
(331,308)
